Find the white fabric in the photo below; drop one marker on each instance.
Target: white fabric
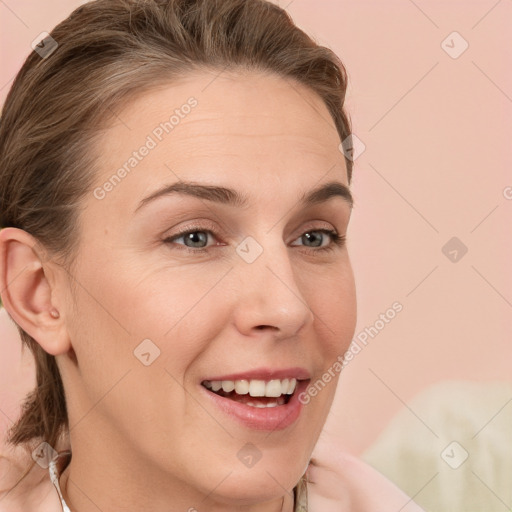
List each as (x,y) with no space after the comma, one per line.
(54,477)
(423,449)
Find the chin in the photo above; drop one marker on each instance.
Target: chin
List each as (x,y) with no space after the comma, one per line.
(257,484)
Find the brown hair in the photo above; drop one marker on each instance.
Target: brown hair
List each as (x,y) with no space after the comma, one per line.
(107,52)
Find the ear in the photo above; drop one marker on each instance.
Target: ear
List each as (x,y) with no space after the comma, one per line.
(27,293)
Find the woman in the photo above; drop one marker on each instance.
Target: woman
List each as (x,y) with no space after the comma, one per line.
(175,207)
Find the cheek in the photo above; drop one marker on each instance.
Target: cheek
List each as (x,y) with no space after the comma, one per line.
(135,339)
(181,310)
(164,317)
(332,298)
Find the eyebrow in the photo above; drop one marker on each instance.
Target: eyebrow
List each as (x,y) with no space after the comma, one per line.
(231,197)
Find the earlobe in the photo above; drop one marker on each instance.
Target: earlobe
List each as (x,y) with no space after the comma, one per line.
(26,291)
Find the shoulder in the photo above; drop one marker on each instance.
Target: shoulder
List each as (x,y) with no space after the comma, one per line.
(340,482)
(24,485)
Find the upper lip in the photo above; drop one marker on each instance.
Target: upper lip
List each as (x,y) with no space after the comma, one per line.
(265,374)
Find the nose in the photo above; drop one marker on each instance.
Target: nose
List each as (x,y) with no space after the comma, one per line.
(269,296)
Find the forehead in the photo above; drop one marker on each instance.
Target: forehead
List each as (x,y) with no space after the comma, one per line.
(247,128)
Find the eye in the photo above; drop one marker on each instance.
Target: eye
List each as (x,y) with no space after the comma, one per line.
(316,238)
(193,238)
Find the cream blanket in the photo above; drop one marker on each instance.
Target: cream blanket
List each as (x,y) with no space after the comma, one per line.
(452,451)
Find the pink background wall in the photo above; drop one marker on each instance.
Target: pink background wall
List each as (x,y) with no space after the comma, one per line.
(437,165)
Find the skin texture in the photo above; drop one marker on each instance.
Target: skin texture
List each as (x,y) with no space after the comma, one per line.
(144,434)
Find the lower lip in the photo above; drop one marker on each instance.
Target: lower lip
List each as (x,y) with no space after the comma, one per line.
(256,418)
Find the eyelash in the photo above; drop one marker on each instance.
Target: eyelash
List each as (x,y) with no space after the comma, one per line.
(337,240)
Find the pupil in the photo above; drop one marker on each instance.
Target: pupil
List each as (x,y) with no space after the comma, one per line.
(192,237)
(309,237)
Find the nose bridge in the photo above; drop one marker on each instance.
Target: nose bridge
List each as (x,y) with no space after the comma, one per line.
(270,294)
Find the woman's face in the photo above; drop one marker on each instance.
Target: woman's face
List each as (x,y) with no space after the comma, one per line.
(257,291)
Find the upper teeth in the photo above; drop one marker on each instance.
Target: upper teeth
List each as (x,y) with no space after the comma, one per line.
(272,388)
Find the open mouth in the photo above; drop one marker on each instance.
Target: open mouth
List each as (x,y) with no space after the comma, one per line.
(255,393)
